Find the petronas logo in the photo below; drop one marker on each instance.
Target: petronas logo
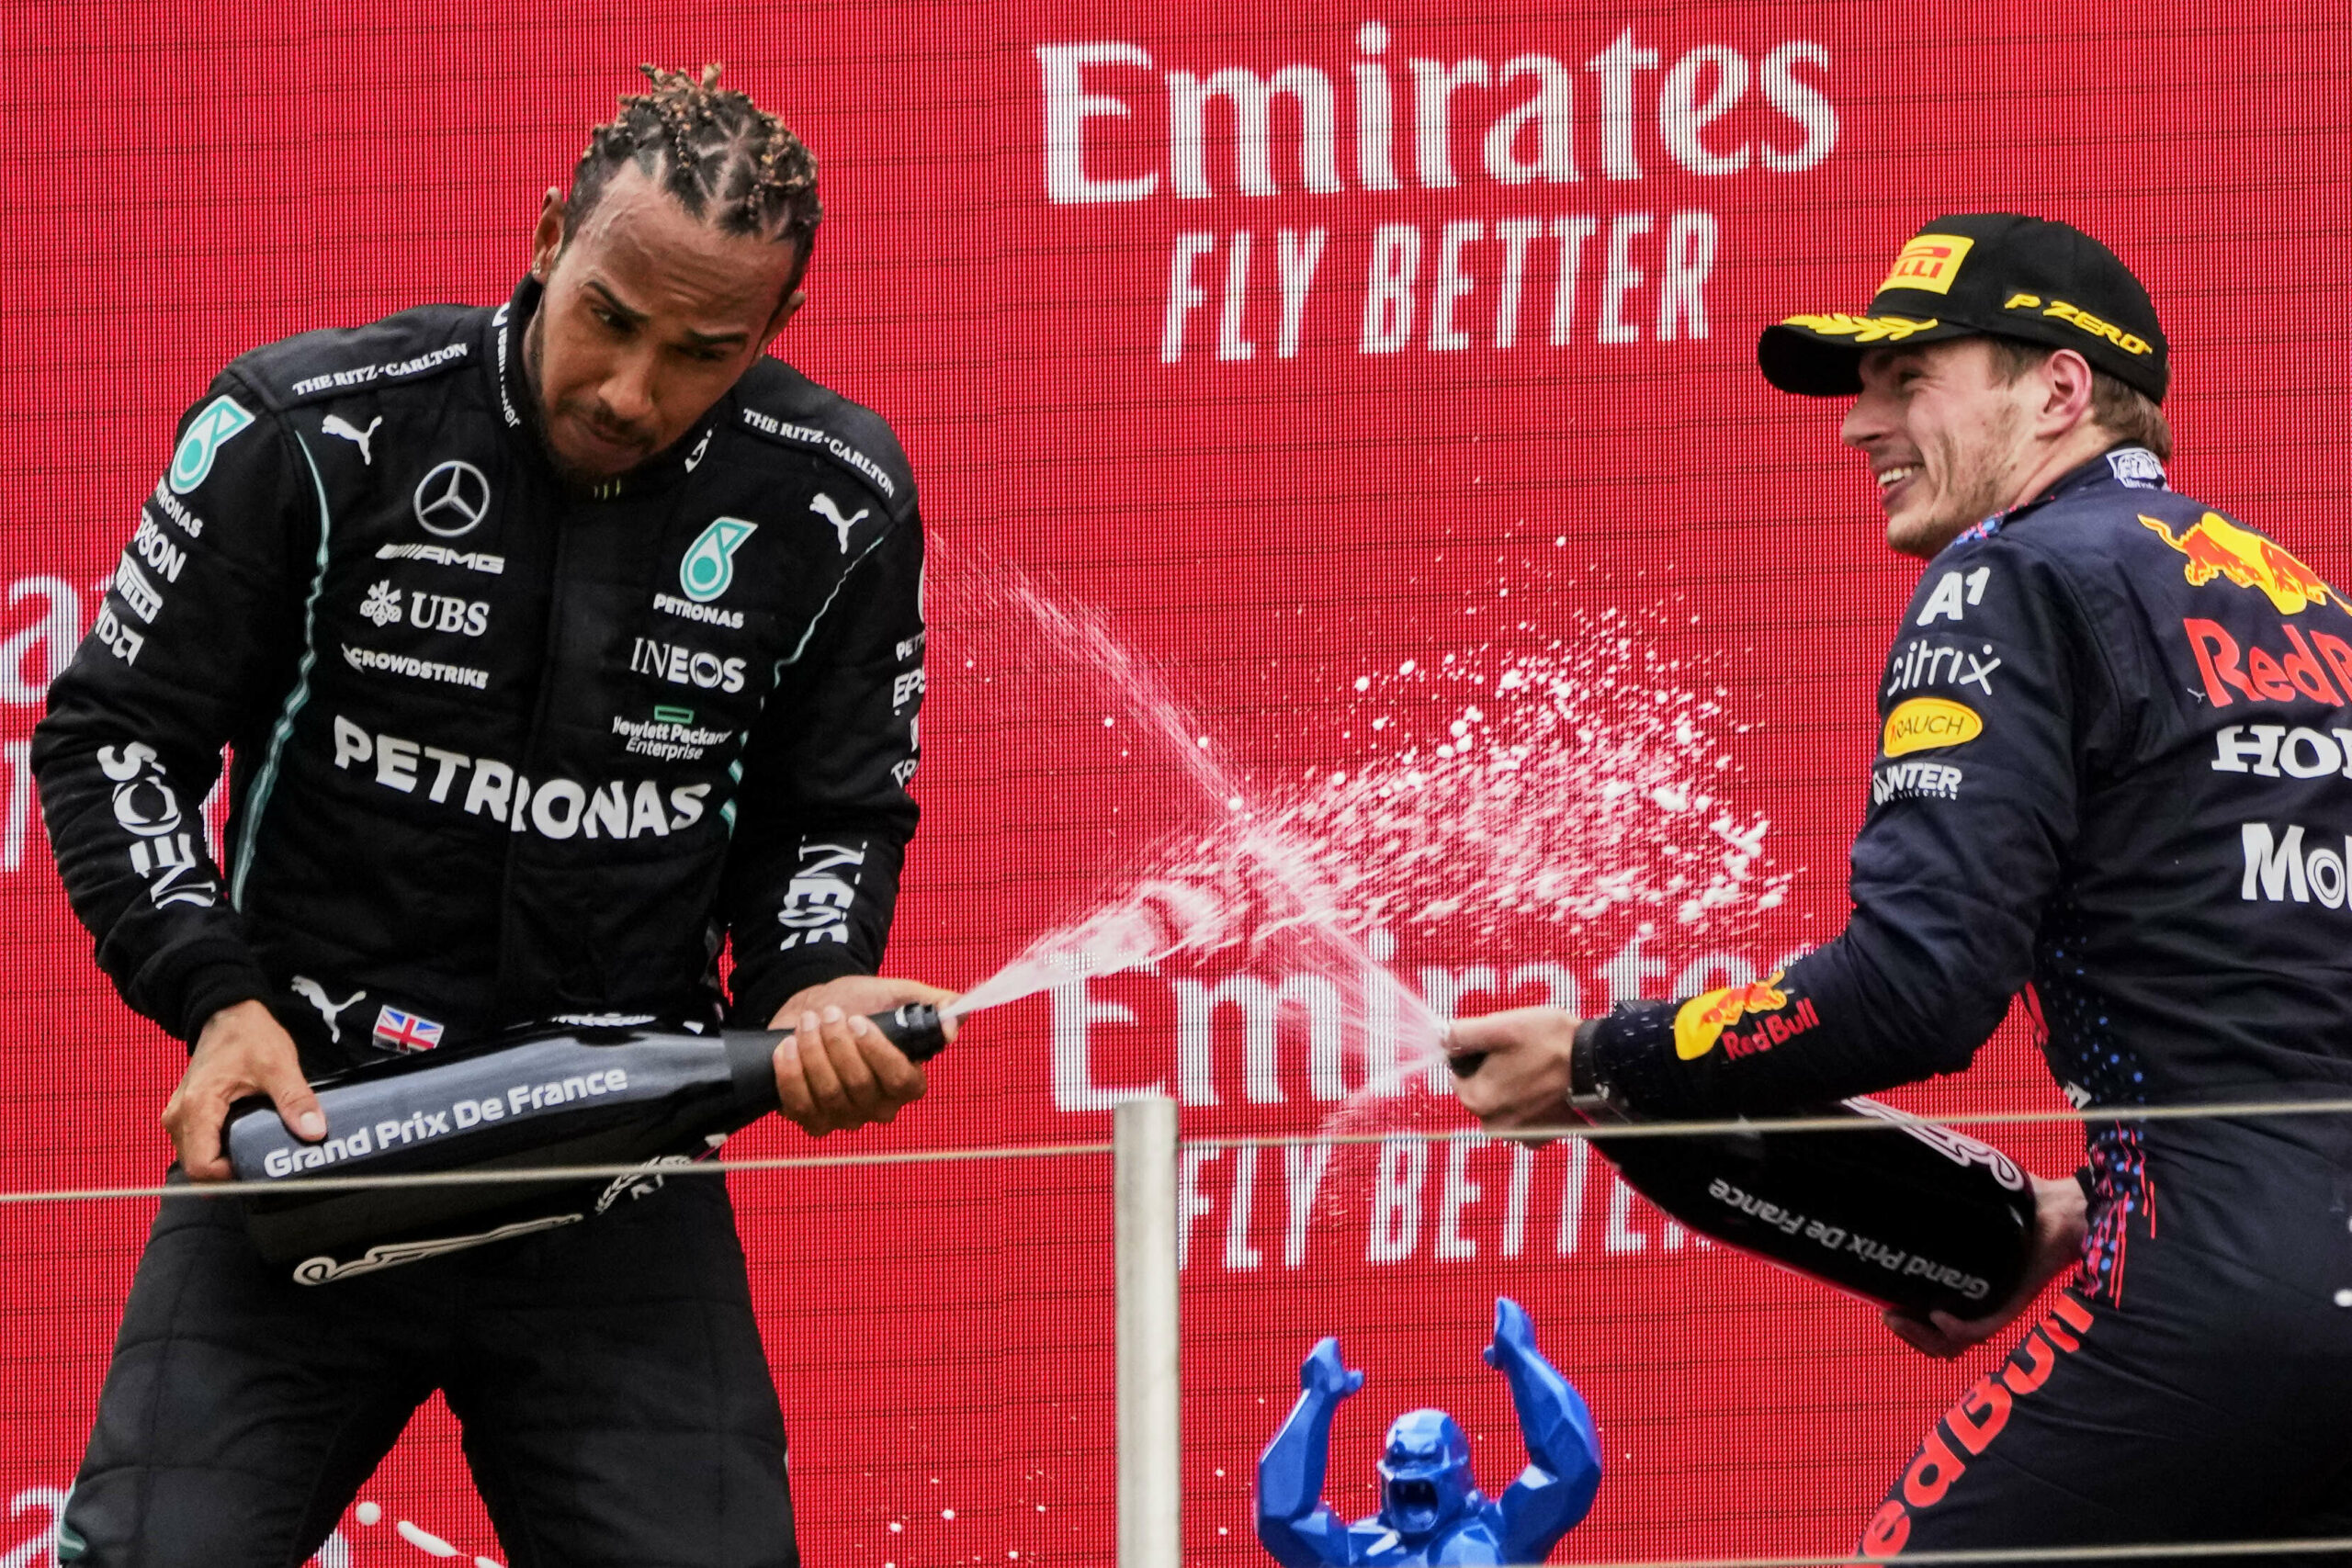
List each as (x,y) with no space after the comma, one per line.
(709,566)
(222,418)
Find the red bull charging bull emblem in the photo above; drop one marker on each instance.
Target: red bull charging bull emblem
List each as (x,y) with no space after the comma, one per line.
(1711,1015)
(2218,548)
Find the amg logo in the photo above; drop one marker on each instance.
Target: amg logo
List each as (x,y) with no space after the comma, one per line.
(442,555)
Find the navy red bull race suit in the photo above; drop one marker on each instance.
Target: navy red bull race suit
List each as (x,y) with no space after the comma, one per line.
(2115,775)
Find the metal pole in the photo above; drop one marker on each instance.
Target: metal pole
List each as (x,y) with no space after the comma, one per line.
(1150,1456)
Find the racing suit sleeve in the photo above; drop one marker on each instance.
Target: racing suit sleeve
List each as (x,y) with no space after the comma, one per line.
(1974,802)
(812,876)
(194,646)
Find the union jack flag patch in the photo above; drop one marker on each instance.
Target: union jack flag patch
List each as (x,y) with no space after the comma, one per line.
(405,1031)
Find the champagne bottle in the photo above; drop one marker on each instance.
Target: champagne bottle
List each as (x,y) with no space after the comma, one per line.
(650,1098)
(1904,1213)
(1907,1215)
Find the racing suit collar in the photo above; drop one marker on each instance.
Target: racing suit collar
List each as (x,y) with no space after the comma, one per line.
(518,404)
(2127,466)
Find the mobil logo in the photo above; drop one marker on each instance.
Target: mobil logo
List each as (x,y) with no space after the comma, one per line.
(2218,548)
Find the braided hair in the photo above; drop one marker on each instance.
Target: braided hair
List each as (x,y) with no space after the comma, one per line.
(726,160)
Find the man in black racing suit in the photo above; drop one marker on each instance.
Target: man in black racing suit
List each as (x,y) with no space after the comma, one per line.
(555,645)
(2116,731)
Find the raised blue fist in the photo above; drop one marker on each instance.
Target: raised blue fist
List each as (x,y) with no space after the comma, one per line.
(1324,1373)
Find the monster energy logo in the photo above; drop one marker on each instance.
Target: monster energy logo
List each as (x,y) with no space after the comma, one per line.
(222,418)
(709,566)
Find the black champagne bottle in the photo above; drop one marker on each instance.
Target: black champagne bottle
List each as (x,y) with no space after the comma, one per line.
(642,1097)
(1904,1212)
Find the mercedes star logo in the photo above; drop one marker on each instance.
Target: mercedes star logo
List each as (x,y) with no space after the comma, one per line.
(452,498)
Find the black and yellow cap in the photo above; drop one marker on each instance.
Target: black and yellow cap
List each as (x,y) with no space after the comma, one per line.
(1973,274)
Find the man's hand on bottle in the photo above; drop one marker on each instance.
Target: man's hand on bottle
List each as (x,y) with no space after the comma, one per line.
(837,1071)
(1524,1079)
(242,1051)
(2061,1218)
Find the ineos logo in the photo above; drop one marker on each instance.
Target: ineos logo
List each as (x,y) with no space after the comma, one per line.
(452,498)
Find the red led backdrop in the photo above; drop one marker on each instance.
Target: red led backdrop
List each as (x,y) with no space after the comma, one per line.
(1334,367)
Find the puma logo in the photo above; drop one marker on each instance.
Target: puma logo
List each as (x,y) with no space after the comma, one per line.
(823,506)
(311,991)
(335,424)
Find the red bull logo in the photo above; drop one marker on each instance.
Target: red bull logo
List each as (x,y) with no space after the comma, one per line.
(1705,1018)
(2218,548)
(1968,1427)
(2265,675)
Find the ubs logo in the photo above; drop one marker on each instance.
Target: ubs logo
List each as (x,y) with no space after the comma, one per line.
(452,498)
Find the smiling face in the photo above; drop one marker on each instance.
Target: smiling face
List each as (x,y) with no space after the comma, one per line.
(1949,441)
(650,315)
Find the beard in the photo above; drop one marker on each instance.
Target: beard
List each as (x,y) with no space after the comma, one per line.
(1973,478)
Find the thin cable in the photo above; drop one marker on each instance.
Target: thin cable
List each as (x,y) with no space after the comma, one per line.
(2000,1554)
(547,1174)
(1847,1123)
(1839,1124)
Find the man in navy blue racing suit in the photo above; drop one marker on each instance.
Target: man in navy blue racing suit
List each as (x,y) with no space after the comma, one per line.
(2116,732)
(558,645)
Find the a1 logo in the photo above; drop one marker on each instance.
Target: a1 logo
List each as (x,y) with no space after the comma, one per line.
(709,564)
(222,418)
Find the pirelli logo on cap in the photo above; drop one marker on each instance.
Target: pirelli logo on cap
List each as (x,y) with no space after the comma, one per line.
(1928,264)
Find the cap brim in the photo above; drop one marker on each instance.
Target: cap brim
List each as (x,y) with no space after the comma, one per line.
(1821,357)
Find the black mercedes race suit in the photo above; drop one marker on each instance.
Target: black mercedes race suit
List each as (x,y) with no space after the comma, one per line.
(2115,747)
(504,751)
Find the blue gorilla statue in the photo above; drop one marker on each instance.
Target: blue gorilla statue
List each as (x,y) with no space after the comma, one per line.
(1431,1509)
